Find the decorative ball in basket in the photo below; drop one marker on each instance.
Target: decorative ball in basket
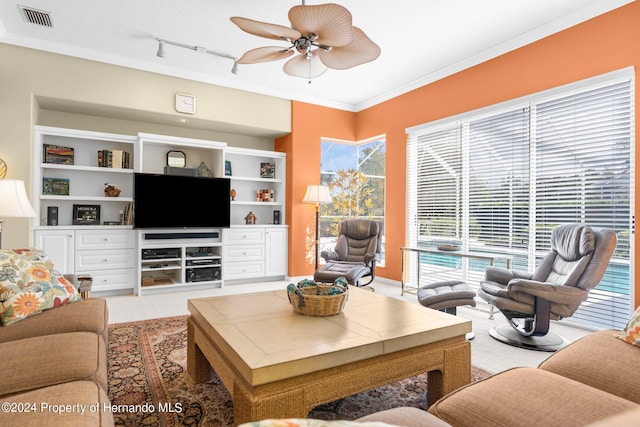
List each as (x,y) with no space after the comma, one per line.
(318,299)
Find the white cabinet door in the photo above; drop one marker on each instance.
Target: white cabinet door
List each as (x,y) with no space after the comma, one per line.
(59,247)
(276,252)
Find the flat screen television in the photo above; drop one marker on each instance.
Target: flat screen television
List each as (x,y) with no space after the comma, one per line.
(175,201)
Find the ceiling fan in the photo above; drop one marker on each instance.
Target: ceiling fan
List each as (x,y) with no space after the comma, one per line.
(323,35)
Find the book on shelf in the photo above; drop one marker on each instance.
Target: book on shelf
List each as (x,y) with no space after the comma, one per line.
(55,186)
(57,154)
(118,159)
(127,214)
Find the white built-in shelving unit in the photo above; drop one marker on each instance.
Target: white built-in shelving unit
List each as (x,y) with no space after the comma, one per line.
(112,253)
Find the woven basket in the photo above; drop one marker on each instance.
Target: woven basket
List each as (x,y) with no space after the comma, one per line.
(315,300)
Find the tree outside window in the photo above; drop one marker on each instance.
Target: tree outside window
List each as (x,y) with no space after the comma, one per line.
(356,176)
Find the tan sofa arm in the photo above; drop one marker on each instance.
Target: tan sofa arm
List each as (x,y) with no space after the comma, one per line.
(600,360)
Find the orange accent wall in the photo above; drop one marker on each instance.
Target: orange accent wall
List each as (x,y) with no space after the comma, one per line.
(603,44)
(309,124)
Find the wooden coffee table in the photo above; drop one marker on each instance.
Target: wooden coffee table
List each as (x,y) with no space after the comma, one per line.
(279,364)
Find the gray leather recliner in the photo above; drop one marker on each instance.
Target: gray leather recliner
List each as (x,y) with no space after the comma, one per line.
(356,253)
(577,262)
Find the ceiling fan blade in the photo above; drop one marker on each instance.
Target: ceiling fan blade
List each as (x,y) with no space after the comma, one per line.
(264,29)
(360,51)
(300,66)
(331,22)
(264,54)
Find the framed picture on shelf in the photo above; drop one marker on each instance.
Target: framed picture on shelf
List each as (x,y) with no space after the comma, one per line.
(227,168)
(86,215)
(57,154)
(267,170)
(55,186)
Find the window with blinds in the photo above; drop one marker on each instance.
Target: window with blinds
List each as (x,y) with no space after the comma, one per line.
(499,180)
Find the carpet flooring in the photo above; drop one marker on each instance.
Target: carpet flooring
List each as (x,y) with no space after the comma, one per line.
(149,384)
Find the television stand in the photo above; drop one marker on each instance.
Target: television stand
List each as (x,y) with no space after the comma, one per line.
(178,259)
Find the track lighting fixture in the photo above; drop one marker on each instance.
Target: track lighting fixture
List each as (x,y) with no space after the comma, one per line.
(161,52)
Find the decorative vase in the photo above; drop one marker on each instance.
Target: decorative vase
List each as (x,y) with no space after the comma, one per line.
(203,170)
(232,193)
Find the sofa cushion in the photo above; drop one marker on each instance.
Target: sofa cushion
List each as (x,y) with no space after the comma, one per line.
(600,360)
(405,416)
(90,315)
(631,333)
(527,397)
(83,403)
(28,285)
(32,363)
(624,419)
(308,422)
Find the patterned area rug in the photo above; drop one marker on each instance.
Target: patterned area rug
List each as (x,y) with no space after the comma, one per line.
(149,384)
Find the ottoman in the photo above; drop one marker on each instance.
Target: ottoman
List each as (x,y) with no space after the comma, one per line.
(446,296)
(352,271)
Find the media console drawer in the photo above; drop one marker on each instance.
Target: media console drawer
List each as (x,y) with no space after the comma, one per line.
(105,259)
(110,280)
(244,235)
(104,239)
(243,270)
(242,253)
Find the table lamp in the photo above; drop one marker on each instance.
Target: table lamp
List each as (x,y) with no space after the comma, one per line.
(15,203)
(317,194)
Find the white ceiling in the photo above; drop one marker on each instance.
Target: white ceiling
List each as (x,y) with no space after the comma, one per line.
(421,40)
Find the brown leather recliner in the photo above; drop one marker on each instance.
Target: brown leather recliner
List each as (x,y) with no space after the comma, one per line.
(577,262)
(356,253)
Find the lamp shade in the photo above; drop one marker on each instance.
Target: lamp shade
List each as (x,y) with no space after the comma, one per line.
(13,200)
(317,194)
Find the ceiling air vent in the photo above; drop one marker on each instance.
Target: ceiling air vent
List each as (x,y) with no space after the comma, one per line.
(35,16)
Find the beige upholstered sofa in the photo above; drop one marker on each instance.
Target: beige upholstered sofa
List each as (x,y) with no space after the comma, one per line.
(592,382)
(54,361)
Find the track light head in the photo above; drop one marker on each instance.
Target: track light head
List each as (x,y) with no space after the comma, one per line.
(160,52)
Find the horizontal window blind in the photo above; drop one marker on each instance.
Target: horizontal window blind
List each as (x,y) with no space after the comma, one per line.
(501,181)
(434,179)
(583,174)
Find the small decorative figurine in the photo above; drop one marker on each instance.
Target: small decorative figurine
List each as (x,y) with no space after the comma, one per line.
(232,193)
(111,190)
(250,218)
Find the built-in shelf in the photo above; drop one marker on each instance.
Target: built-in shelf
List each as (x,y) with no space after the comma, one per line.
(201,262)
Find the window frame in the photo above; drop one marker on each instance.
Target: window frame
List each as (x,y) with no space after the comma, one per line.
(462,123)
(326,241)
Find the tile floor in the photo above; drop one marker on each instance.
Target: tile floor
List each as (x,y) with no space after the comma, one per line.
(486,352)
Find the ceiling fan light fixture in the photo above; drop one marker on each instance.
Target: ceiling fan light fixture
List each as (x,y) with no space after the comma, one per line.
(323,35)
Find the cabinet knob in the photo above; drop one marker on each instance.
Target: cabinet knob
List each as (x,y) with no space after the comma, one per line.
(106,260)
